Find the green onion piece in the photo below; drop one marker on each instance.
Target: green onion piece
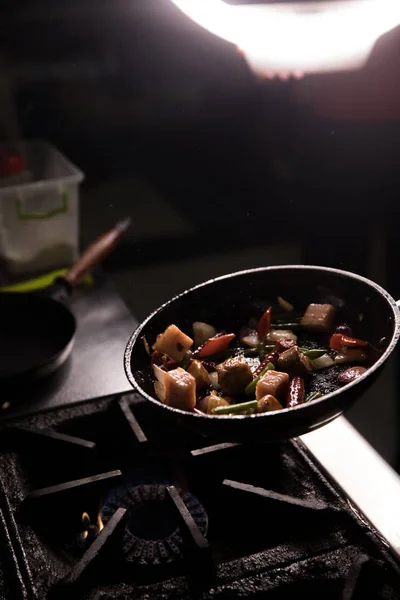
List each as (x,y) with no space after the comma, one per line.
(185,362)
(292,326)
(250,352)
(313,396)
(263,350)
(251,388)
(313,354)
(235,408)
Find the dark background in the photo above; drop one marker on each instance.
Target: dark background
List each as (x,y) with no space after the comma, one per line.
(219,170)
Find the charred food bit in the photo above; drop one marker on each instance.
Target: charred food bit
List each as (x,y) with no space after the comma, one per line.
(273,383)
(319,317)
(234,375)
(180,389)
(173,342)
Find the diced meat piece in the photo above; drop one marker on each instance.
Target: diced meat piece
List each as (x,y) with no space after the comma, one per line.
(272,383)
(234,375)
(294,363)
(202,332)
(200,374)
(180,389)
(284,344)
(173,342)
(280,334)
(319,317)
(268,403)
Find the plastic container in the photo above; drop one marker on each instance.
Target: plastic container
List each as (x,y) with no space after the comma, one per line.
(39,213)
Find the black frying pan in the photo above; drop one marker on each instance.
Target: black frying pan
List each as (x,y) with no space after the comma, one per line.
(227,303)
(37,331)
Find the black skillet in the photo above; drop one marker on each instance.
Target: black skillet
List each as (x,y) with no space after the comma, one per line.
(227,303)
(37,331)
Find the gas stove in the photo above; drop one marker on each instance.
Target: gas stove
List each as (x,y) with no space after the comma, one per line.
(103,501)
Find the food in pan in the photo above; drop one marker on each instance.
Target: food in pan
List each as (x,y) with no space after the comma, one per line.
(283,359)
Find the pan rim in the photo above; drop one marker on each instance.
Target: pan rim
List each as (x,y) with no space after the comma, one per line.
(284,411)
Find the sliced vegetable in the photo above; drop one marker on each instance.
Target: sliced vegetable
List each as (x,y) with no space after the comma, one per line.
(173,342)
(202,332)
(282,334)
(351,375)
(272,382)
(200,374)
(180,389)
(249,337)
(319,317)
(313,396)
(350,355)
(285,305)
(250,352)
(339,341)
(216,344)
(234,375)
(159,373)
(209,403)
(312,354)
(264,324)
(268,403)
(214,380)
(231,409)
(146,345)
(160,391)
(251,388)
(323,362)
(296,392)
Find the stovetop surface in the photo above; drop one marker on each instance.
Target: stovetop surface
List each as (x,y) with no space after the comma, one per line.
(182,517)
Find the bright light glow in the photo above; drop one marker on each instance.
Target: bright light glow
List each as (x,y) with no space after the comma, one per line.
(304,37)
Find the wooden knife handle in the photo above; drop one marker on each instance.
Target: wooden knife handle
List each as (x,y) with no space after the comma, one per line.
(97,252)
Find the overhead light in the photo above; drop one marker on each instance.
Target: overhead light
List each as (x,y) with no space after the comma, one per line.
(303,37)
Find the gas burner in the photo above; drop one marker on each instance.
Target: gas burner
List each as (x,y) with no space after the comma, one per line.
(152,534)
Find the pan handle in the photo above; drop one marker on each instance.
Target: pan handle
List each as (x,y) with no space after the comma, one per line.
(97,251)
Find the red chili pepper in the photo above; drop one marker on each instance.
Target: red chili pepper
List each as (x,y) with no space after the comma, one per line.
(264,324)
(156,358)
(271,358)
(216,344)
(338,341)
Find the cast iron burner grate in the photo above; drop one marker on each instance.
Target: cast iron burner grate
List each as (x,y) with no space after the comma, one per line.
(153,511)
(152,533)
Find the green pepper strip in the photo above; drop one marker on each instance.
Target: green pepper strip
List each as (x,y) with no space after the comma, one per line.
(235,408)
(314,396)
(313,354)
(251,388)
(185,362)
